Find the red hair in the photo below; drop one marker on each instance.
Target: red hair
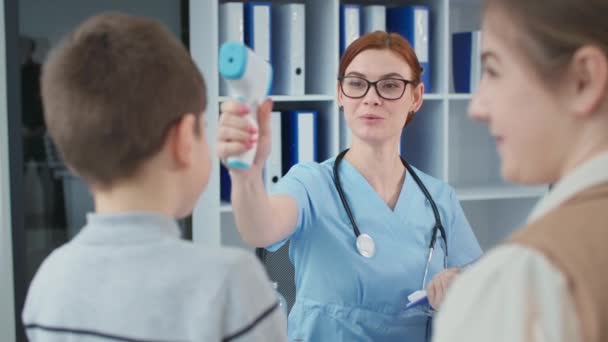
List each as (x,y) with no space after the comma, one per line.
(381,40)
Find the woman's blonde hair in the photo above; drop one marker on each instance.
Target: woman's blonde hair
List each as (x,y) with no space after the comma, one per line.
(555,29)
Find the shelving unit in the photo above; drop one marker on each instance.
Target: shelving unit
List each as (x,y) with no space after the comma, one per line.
(288,98)
(442,141)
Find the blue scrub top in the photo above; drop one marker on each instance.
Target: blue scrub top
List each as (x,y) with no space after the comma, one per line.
(342,296)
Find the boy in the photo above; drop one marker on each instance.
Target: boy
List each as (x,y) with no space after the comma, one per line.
(123,102)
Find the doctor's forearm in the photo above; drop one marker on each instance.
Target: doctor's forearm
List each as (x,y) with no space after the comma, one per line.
(259,224)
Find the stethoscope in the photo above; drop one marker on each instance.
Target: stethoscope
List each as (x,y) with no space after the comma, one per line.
(365,243)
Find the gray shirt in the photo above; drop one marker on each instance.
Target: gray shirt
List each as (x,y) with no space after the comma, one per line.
(129,277)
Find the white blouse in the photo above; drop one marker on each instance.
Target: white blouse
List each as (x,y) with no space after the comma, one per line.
(514,293)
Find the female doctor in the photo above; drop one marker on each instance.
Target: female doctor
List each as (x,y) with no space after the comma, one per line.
(360,225)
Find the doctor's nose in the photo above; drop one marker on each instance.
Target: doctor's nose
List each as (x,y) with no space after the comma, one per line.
(372,98)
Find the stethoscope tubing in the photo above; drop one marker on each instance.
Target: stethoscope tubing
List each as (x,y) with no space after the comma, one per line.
(438,226)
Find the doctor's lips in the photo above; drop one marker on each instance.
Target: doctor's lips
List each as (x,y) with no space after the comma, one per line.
(371,117)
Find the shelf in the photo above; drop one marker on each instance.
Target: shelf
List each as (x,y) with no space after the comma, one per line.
(465,3)
(433,96)
(479,193)
(290,98)
(225,207)
(316,98)
(456,96)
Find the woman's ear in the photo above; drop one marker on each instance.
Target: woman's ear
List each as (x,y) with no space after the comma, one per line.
(588,81)
(340,96)
(418,96)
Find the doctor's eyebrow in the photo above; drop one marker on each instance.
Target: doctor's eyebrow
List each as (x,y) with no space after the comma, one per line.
(389,75)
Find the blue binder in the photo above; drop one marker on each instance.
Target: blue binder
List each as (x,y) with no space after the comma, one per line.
(413,23)
(225,184)
(258,21)
(466,64)
(350,25)
(299,131)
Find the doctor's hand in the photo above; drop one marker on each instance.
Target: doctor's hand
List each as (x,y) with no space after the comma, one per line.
(439,286)
(236,134)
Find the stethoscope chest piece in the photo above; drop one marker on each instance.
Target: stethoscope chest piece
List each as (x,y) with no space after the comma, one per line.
(366,245)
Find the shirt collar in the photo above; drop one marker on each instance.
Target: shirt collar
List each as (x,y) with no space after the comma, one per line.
(127,227)
(589,174)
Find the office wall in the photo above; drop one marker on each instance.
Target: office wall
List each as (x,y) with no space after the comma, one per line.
(7,315)
(48,21)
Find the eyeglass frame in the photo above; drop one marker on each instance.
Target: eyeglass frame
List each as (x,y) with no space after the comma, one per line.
(370,84)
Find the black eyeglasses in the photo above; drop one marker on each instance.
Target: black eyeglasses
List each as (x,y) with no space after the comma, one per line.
(387,88)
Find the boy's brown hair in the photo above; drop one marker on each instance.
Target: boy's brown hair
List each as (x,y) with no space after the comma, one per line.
(111,92)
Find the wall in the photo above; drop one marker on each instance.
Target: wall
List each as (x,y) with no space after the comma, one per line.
(50,20)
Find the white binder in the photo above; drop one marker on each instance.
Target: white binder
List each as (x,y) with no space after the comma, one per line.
(231,29)
(307,137)
(289,49)
(257,28)
(273,170)
(351,25)
(373,18)
(475,60)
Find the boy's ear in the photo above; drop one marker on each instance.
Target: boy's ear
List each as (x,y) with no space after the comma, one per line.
(181,140)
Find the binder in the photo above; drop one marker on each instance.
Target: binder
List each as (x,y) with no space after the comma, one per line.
(350,25)
(257,28)
(231,29)
(413,23)
(289,48)
(299,138)
(373,18)
(466,61)
(225,184)
(273,170)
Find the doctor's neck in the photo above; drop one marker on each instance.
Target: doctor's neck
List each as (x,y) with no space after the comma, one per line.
(379,164)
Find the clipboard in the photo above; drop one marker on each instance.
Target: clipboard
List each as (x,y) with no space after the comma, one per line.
(419,305)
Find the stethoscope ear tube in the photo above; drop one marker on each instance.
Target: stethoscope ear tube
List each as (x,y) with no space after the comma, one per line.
(349,213)
(438,225)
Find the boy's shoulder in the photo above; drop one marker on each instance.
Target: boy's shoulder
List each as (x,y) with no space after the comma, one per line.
(176,256)
(221,257)
(177,264)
